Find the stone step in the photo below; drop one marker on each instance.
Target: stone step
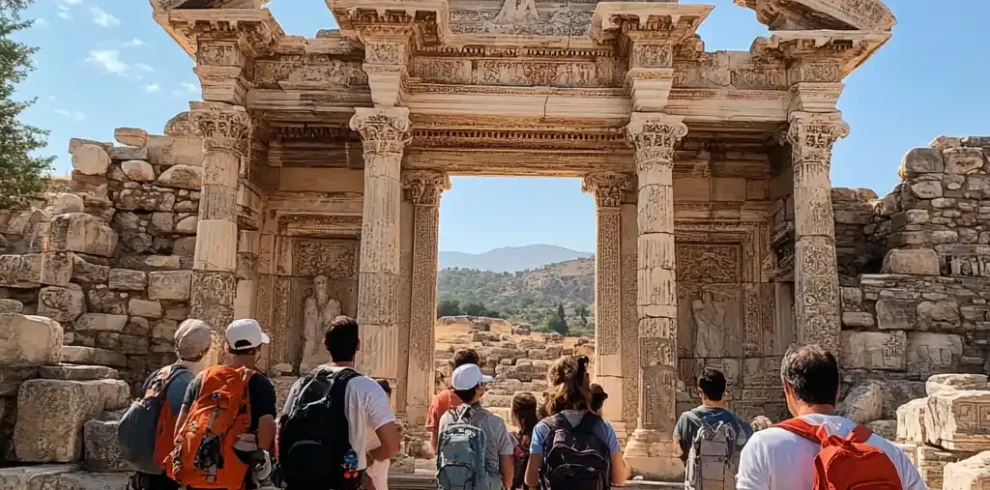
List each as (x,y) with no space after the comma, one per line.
(100,440)
(59,477)
(73,372)
(77,354)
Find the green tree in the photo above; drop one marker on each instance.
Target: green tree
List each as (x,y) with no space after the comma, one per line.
(21,174)
(475,309)
(560,311)
(582,312)
(555,322)
(448,307)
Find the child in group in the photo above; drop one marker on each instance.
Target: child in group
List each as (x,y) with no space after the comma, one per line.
(377,471)
(598,397)
(524,416)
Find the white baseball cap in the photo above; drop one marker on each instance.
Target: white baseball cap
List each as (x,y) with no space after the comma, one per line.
(467,377)
(245,334)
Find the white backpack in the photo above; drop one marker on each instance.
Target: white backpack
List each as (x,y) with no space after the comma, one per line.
(713,459)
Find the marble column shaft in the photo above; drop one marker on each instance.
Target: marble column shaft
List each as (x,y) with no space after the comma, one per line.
(816,279)
(425,189)
(608,189)
(384,134)
(214,285)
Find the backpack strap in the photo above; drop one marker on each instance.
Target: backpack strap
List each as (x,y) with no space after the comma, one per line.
(462,413)
(802,428)
(860,434)
(588,423)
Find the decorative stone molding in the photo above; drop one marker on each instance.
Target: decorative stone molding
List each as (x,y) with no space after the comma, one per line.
(607,187)
(654,136)
(866,15)
(383,131)
(425,187)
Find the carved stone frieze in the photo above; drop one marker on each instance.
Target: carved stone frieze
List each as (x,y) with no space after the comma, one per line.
(318,71)
(425,187)
(866,15)
(255,31)
(382,130)
(607,187)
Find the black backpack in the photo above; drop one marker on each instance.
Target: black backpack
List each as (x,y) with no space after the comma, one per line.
(314,449)
(574,457)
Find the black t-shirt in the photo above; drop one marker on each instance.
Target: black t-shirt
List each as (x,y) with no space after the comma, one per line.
(260,389)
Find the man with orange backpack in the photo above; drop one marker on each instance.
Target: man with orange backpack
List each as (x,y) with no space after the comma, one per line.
(146,432)
(226,429)
(817,449)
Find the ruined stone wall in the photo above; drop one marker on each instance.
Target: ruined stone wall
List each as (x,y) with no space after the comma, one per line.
(108,252)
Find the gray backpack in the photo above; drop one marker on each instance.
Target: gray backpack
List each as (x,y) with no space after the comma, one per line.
(713,460)
(461,454)
(137,431)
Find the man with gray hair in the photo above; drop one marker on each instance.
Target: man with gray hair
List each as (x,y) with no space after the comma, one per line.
(193,340)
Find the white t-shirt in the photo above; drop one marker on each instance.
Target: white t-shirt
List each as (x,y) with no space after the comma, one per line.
(367,410)
(775,459)
(377,471)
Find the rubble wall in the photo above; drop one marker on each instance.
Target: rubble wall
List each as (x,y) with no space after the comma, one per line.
(108,252)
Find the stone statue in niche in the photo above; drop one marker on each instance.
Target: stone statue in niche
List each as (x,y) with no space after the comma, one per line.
(709,320)
(319,310)
(517,11)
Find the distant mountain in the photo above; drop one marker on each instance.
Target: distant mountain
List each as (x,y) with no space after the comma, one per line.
(510,259)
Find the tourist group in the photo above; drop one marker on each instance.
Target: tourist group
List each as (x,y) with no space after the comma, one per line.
(204,428)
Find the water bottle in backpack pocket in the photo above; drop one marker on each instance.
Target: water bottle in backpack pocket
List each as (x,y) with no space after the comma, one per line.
(713,459)
(574,457)
(461,454)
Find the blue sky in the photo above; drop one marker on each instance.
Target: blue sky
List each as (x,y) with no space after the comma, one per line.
(105,64)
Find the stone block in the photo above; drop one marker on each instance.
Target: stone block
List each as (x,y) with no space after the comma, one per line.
(56,268)
(934,315)
(11,306)
(955,420)
(963,160)
(932,353)
(68,203)
(919,261)
(90,159)
(169,285)
(187,225)
(864,403)
(145,308)
(88,273)
(874,350)
(138,171)
(927,189)
(126,153)
(128,280)
(71,372)
(182,177)
(911,421)
(857,319)
(943,142)
(161,224)
(105,300)
(145,198)
(51,412)
(897,393)
(29,340)
(84,233)
(131,136)
(896,314)
(101,322)
(922,161)
(942,383)
(886,429)
(969,474)
(976,141)
(61,304)
(931,463)
(102,453)
(74,354)
(59,477)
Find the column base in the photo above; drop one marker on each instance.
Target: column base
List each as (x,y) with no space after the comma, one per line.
(653,455)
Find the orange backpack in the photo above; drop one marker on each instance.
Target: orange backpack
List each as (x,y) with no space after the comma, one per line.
(204,446)
(846,463)
(165,432)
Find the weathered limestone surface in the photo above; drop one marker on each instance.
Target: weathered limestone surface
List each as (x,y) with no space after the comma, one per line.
(953,420)
(941,383)
(101,450)
(59,477)
(969,474)
(29,340)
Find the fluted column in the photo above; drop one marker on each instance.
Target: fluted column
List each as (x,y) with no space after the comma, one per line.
(425,189)
(608,189)
(650,449)
(214,287)
(384,134)
(816,279)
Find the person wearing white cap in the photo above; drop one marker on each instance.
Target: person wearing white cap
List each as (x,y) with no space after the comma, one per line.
(244,340)
(469,384)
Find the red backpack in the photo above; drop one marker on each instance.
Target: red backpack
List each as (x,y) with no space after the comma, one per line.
(846,463)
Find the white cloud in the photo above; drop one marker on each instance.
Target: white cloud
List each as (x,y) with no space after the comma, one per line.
(102,18)
(40,22)
(64,13)
(189,87)
(75,115)
(134,43)
(52,98)
(152,88)
(144,67)
(109,61)
(185,89)
(71,2)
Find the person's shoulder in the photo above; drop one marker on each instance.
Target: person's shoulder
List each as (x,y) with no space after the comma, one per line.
(773,438)
(259,380)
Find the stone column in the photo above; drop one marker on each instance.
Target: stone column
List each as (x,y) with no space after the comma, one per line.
(816,279)
(214,287)
(650,449)
(384,134)
(425,189)
(608,188)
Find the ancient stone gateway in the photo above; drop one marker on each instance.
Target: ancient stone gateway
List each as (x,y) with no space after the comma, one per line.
(327,157)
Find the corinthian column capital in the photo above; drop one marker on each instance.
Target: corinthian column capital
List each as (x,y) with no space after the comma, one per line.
(812,135)
(607,187)
(654,135)
(382,130)
(222,128)
(425,186)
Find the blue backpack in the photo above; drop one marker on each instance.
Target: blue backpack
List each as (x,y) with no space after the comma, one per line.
(461,454)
